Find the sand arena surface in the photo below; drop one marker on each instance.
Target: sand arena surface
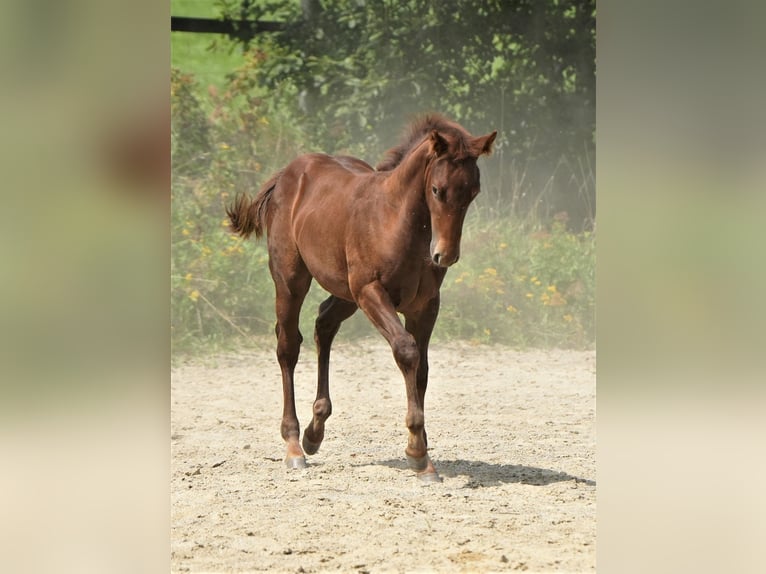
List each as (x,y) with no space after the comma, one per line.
(512,434)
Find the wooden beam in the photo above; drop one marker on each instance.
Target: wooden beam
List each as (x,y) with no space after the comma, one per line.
(244,29)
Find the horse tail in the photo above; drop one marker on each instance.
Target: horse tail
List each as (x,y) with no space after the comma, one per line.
(248,216)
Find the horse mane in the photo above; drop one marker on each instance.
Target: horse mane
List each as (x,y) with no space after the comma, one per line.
(420,128)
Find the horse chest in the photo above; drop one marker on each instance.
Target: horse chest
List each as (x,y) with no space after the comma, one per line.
(411,288)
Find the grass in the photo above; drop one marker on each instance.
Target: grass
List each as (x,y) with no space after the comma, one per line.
(195,53)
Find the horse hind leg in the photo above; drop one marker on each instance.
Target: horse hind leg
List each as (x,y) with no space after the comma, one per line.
(289,299)
(332,312)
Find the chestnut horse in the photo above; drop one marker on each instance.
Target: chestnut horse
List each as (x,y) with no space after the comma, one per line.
(376,239)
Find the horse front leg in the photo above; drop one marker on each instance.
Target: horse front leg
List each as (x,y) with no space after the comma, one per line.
(332,312)
(421,324)
(376,304)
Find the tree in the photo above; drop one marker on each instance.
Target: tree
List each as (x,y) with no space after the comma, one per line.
(351,72)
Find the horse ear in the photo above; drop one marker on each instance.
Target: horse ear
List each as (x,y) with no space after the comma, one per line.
(438,144)
(484,143)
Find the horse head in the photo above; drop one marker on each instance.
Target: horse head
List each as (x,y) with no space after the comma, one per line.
(452,183)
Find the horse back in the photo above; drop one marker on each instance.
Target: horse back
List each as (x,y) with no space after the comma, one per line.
(323,185)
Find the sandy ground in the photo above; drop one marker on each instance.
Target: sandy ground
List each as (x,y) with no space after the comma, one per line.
(512,434)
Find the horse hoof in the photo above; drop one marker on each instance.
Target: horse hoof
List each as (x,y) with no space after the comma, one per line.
(429,477)
(417,464)
(295,462)
(310,447)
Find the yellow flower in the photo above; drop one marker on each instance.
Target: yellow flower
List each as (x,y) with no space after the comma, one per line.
(224,146)
(529,295)
(194,295)
(225,222)
(568,318)
(487,332)
(532,279)
(490,271)
(503,245)
(511,309)
(185,232)
(188,276)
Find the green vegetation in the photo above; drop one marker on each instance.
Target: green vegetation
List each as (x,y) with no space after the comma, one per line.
(210,58)
(522,284)
(526,277)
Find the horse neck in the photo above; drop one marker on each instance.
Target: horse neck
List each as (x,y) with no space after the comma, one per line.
(406,183)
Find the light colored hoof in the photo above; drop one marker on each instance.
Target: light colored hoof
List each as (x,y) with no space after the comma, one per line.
(295,462)
(429,477)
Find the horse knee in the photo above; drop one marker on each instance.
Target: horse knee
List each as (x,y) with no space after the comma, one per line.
(288,349)
(406,353)
(287,355)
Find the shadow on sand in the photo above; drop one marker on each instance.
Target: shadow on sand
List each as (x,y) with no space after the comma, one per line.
(482,474)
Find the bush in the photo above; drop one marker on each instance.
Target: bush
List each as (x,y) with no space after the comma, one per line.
(522,285)
(189,133)
(220,285)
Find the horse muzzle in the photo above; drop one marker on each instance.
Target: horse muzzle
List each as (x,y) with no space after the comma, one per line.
(442,257)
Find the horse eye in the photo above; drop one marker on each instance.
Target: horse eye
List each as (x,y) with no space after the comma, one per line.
(439,194)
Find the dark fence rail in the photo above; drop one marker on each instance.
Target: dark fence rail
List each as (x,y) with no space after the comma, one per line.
(243,29)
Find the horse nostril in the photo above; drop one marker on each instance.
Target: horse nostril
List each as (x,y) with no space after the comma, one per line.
(437,258)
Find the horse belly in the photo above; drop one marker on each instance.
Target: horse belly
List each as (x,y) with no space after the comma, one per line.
(330,278)
(321,249)
(320,218)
